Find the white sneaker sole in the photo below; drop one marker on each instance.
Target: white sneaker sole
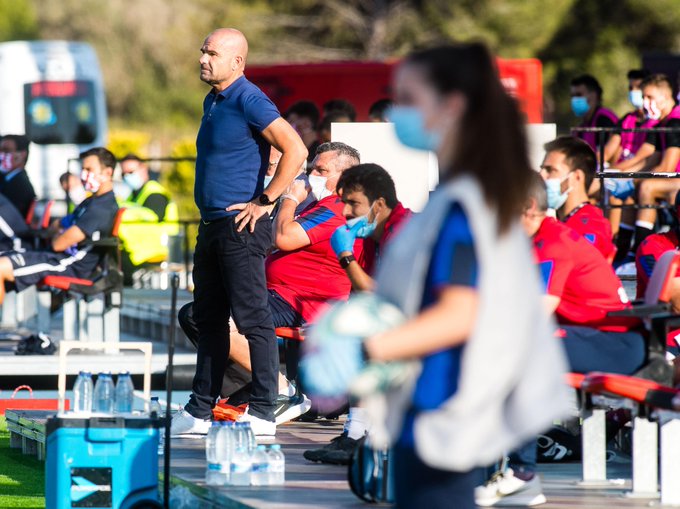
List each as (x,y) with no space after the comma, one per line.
(528,500)
(294,411)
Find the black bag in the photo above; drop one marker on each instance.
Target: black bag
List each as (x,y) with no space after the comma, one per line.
(371,473)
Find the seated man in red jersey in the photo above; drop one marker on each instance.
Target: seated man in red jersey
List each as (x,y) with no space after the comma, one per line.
(375,214)
(568,169)
(302,259)
(581,289)
(646,257)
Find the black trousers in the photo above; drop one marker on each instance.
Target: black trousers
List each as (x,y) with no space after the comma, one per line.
(419,485)
(229,279)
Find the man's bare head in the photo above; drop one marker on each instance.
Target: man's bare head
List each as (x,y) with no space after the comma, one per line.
(223,57)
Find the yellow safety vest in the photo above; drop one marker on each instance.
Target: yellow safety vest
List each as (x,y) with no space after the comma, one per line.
(143,236)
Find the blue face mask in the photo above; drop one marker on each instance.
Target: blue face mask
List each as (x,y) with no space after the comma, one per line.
(365,229)
(635,98)
(409,127)
(133,180)
(556,197)
(579,105)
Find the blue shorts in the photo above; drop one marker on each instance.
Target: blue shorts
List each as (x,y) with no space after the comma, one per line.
(590,349)
(283,314)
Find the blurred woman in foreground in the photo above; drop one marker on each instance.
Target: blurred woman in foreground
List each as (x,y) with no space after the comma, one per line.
(463,274)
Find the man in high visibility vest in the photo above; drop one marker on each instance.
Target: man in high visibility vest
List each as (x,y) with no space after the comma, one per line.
(149,220)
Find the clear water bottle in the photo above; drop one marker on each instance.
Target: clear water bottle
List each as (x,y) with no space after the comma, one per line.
(259,474)
(212,469)
(252,441)
(241,460)
(225,451)
(82,393)
(155,408)
(277,466)
(103,394)
(124,393)
(155,413)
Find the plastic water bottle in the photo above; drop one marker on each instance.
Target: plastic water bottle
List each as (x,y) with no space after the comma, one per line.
(155,407)
(225,451)
(241,460)
(82,393)
(212,469)
(250,436)
(259,475)
(103,394)
(155,412)
(277,466)
(124,393)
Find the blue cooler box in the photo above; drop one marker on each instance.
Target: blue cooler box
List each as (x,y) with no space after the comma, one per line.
(102,462)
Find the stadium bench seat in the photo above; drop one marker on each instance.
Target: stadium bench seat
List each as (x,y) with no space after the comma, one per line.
(656,406)
(655,312)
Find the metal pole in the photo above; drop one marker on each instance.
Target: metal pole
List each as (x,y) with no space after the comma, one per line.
(186,254)
(174,282)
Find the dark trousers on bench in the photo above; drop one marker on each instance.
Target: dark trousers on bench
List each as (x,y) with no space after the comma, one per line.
(589,350)
(229,279)
(237,379)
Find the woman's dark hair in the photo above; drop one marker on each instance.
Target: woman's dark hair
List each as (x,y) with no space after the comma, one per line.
(372,180)
(491,144)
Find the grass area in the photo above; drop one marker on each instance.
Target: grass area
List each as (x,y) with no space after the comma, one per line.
(22,478)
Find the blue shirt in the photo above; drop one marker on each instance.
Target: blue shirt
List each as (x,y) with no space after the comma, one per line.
(453,263)
(232,156)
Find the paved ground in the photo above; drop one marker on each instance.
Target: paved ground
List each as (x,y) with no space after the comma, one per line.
(310,485)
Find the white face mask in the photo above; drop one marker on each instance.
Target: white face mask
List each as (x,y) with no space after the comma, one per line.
(318,185)
(90,181)
(652,109)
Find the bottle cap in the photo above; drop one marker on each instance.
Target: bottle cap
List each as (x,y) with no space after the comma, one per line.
(276,447)
(261,448)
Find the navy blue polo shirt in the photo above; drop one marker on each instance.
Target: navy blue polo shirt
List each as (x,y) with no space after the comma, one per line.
(232,155)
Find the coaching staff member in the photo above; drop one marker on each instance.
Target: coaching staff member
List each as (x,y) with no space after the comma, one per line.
(238,127)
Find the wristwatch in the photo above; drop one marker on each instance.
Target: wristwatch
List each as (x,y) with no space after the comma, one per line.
(264,200)
(346,260)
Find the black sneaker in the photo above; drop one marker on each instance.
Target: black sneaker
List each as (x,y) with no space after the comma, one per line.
(337,452)
(558,445)
(37,344)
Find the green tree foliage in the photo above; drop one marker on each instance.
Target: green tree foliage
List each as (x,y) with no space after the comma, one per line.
(18,20)
(149,50)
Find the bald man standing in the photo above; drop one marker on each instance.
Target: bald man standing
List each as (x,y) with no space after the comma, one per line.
(238,127)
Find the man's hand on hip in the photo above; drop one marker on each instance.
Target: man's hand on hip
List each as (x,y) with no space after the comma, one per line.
(249,214)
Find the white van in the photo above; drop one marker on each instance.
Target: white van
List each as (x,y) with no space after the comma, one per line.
(53,92)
